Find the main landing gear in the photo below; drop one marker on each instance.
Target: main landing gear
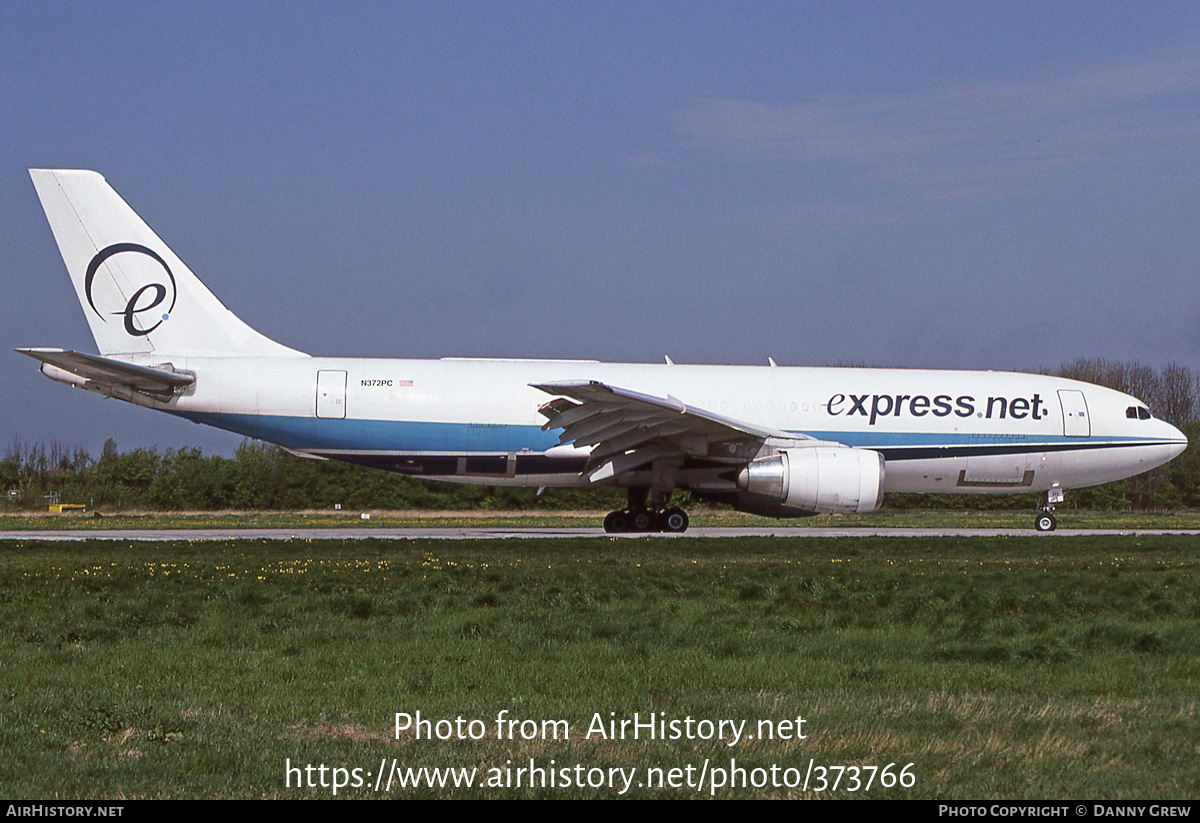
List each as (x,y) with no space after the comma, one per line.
(638,517)
(1045,520)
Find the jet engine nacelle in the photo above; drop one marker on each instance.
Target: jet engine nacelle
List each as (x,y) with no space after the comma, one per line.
(821,479)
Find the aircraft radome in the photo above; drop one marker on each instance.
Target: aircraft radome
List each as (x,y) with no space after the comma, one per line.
(785,442)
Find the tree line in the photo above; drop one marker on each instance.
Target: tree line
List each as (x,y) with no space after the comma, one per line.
(260,476)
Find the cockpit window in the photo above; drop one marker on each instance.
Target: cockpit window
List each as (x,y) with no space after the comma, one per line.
(1138,413)
(1143,413)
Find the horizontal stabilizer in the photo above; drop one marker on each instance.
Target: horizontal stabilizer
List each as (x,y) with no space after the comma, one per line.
(105,371)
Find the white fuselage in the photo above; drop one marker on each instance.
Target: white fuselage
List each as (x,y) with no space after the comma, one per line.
(478,421)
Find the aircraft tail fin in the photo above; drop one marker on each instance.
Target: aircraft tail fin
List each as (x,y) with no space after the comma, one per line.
(137,295)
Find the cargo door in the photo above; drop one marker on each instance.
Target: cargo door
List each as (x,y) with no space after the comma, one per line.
(997,471)
(331,394)
(1075,413)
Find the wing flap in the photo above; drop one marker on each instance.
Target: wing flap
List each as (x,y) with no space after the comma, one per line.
(612,466)
(627,429)
(611,398)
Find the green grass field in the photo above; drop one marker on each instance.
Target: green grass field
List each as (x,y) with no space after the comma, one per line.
(994,667)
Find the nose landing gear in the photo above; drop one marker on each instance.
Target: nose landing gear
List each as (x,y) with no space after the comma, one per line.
(1045,520)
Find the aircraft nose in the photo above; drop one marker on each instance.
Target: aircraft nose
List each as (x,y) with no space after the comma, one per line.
(1178,440)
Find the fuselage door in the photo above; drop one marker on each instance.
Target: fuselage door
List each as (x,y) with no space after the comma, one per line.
(1076,422)
(331,394)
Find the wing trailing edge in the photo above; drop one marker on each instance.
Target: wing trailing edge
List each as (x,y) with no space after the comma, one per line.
(625,429)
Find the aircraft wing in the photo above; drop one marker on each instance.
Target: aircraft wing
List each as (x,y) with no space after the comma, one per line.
(627,429)
(104,371)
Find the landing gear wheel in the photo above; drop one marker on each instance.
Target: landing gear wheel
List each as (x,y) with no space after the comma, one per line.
(1045,520)
(674,521)
(641,520)
(616,522)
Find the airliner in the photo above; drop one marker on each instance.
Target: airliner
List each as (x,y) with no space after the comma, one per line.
(770,440)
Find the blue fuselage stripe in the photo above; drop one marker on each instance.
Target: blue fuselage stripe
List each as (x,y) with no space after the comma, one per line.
(318,433)
(323,434)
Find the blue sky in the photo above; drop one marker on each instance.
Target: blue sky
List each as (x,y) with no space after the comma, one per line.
(983,185)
